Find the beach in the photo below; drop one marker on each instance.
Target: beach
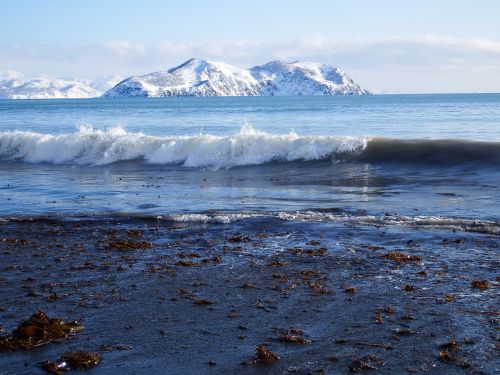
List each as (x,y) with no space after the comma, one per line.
(156,295)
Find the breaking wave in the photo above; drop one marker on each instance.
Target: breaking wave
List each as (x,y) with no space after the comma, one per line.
(89,146)
(94,147)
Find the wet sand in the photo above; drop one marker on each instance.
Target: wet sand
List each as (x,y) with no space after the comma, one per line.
(163,297)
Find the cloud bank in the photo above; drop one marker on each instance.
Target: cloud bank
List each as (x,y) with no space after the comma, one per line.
(426,63)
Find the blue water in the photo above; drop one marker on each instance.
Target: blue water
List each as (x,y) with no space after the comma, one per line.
(464,116)
(412,155)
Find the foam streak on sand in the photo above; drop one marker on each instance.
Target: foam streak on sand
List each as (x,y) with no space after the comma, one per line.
(420,221)
(90,146)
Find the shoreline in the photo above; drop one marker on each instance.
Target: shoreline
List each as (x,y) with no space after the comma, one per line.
(199,297)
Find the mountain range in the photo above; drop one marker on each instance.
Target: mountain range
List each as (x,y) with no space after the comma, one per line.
(195,77)
(14,85)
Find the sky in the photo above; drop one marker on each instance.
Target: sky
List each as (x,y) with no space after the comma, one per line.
(387,46)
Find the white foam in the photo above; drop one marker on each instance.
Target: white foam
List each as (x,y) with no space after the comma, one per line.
(90,146)
(215,218)
(427,222)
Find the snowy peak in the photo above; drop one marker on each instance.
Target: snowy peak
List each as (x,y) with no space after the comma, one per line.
(10,75)
(14,85)
(197,77)
(304,78)
(46,88)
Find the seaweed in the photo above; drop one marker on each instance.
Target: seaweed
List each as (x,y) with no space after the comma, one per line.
(322,251)
(38,330)
(313,243)
(480,284)
(129,244)
(81,360)
(400,257)
(409,288)
(451,344)
(365,363)
(263,354)
(446,356)
(348,289)
(293,335)
(78,360)
(249,286)
(276,263)
(238,238)
(197,301)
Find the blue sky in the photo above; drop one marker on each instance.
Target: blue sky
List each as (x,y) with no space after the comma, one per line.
(386,45)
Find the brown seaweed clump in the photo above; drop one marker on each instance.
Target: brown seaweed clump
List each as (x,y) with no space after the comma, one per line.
(81,360)
(38,330)
(480,284)
(129,244)
(78,360)
(294,336)
(369,362)
(263,354)
(400,257)
(446,356)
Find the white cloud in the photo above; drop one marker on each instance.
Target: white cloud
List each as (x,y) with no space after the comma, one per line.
(426,63)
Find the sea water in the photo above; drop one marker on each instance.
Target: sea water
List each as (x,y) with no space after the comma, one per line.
(386,159)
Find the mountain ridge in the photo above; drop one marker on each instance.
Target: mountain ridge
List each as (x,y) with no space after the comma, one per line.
(14,85)
(194,77)
(198,77)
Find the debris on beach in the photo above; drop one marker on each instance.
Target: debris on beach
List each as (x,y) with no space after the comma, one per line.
(130,244)
(78,360)
(38,330)
(276,263)
(238,238)
(197,301)
(480,284)
(451,344)
(368,362)
(81,360)
(249,286)
(400,257)
(294,336)
(409,288)
(309,252)
(54,368)
(263,354)
(313,243)
(348,289)
(446,356)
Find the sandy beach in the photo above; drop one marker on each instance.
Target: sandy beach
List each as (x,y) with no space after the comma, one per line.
(156,296)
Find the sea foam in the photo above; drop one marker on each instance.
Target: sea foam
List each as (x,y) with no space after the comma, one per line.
(89,146)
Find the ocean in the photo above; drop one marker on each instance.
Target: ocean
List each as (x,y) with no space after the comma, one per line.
(192,235)
(387,158)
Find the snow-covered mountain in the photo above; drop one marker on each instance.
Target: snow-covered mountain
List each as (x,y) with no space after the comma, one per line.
(195,77)
(14,85)
(198,77)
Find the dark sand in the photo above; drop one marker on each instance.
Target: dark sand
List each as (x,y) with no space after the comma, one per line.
(164,297)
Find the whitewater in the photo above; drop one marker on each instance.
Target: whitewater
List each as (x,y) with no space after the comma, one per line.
(91,146)
(94,147)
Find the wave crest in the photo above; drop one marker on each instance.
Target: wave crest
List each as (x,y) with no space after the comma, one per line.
(90,146)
